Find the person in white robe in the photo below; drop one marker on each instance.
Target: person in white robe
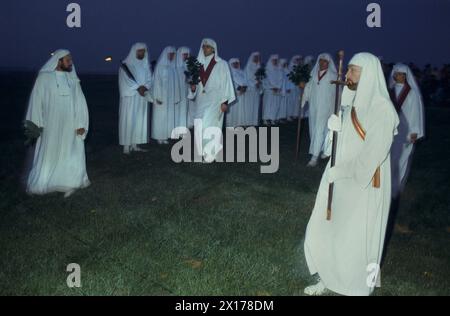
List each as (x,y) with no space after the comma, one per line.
(293,98)
(273,90)
(58,106)
(252,98)
(304,111)
(287,89)
(407,99)
(134,85)
(236,111)
(212,95)
(166,95)
(183,116)
(345,251)
(320,95)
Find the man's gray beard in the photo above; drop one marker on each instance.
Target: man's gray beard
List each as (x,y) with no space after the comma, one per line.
(66,69)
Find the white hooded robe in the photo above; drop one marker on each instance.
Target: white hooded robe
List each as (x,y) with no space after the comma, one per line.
(304,110)
(252,98)
(57,104)
(287,89)
(133,108)
(166,89)
(346,250)
(320,95)
(236,111)
(412,121)
(293,98)
(274,80)
(209,97)
(183,116)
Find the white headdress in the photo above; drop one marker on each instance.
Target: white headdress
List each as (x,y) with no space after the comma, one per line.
(201,57)
(52,63)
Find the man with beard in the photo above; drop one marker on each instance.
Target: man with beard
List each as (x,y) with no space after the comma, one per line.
(58,107)
(345,251)
(134,84)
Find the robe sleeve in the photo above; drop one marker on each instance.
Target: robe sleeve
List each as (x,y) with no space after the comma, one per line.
(158,90)
(416,117)
(81,114)
(375,151)
(127,87)
(306,94)
(148,83)
(229,95)
(328,143)
(35,112)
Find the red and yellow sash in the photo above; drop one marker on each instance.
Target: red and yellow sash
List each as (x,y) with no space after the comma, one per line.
(362,133)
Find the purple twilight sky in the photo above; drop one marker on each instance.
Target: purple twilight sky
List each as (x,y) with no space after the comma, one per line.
(412,30)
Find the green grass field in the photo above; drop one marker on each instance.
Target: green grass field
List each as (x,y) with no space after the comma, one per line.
(148,226)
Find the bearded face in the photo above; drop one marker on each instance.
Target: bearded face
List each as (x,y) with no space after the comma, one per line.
(140,53)
(353,76)
(65,63)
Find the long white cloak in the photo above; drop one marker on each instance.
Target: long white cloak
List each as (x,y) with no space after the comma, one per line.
(287,90)
(181,110)
(411,122)
(346,250)
(232,115)
(252,97)
(219,89)
(59,160)
(272,100)
(166,88)
(236,112)
(293,98)
(133,108)
(252,100)
(271,104)
(320,96)
(293,102)
(209,98)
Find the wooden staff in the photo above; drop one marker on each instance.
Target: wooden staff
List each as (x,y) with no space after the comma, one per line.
(299,125)
(337,108)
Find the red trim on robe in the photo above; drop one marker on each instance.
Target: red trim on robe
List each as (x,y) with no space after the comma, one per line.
(204,74)
(320,77)
(398,102)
